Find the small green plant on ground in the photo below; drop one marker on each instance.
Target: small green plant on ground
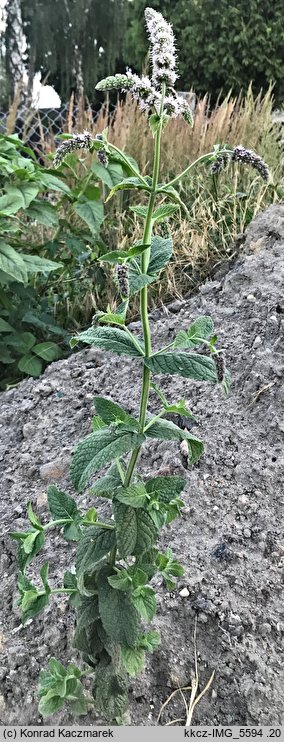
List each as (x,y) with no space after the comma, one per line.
(117,557)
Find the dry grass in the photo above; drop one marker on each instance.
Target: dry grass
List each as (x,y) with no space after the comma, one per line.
(216,218)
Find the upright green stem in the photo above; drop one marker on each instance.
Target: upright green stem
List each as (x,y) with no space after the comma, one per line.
(145,258)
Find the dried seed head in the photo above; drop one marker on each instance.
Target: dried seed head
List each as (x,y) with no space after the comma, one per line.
(122,279)
(219,360)
(102,157)
(220,163)
(78,141)
(249,157)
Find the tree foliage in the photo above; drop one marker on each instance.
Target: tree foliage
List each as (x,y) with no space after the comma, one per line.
(222,45)
(69,40)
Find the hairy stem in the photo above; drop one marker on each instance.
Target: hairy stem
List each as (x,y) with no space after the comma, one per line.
(190,167)
(145,258)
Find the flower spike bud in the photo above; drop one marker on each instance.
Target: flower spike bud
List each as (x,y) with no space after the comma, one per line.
(219,360)
(114,82)
(220,163)
(78,141)
(122,279)
(162,51)
(102,157)
(249,157)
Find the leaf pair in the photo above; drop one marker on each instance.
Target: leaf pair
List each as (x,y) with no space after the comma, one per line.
(58,686)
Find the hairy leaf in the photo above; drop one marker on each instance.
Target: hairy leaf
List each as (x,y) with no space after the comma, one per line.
(111,412)
(106,486)
(97,450)
(126,528)
(189,365)
(110,692)
(93,546)
(199,331)
(133,659)
(165,489)
(134,495)
(144,600)
(146,533)
(164,211)
(161,252)
(12,263)
(110,338)
(119,617)
(92,212)
(166,430)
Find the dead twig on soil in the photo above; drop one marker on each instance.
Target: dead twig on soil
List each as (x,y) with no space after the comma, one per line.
(193,701)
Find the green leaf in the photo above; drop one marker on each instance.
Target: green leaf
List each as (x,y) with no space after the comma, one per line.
(166,430)
(18,197)
(30,365)
(35,264)
(31,543)
(161,252)
(48,351)
(44,577)
(106,486)
(110,692)
(70,583)
(138,280)
(97,450)
(165,489)
(189,365)
(97,423)
(116,317)
(128,184)
(123,255)
(134,495)
(53,183)
(93,546)
(33,603)
(90,517)
(92,213)
(4,326)
(43,213)
(199,331)
(33,518)
(60,504)
(150,640)
(126,528)
(144,600)
(168,567)
(146,533)
(22,341)
(118,615)
(110,412)
(12,263)
(102,173)
(178,407)
(50,703)
(110,338)
(87,612)
(120,581)
(163,211)
(133,660)
(139,211)
(88,640)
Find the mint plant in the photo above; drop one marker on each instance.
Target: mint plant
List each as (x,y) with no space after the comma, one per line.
(117,556)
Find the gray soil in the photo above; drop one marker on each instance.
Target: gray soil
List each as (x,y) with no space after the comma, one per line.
(230,536)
